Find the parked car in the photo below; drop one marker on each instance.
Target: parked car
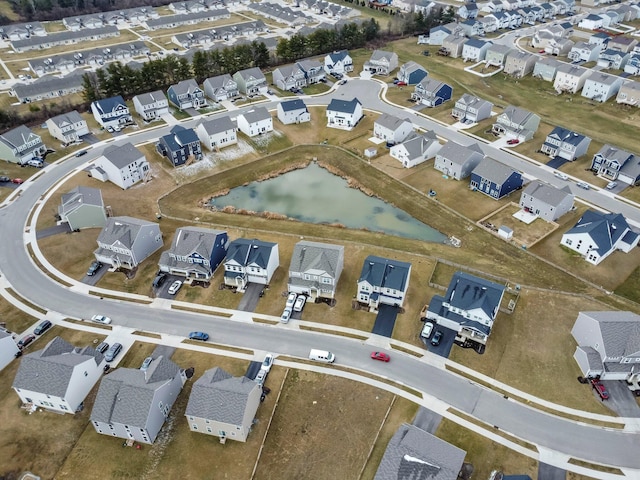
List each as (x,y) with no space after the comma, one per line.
(342,82)
(101,319)
(513,141)
(427,330)
(286,315)
(299,305)
(34,162)
(4,179)
(291,300)
(113,352)
(267,362)
(600,389)
(19,181)
(26,340)
(102,347)
(81,153)
(561,175)
(199,336)
(93,268)
(175,286)
(42,327)
(159,280)
(146,363)
(611,185)
(437,338)
(383,357)
(401,84)
(261,377)
(583,185)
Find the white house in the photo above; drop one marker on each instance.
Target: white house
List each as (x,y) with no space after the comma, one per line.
(250,261)
(383,282)
(338,62)
(124,242)
(416,150)
(293,111)
(59,376)
(457,161)
(392,129)
(344,114)
(151,106)
(601,86)
(218,132)
(597,235)
(111,112)
(68,127)
(8,348)
(381,63)
(255,122)
(570,78)
(123,165)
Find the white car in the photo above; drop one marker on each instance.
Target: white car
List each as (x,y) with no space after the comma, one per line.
(299,305)
(291,300)
(261,377)
(268,361)
(427,329)
(101,319)
(561,176)
(611,185)
(583,185)
(286,315)
(175,286)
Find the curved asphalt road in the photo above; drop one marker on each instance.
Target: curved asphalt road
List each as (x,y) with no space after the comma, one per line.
(607,446)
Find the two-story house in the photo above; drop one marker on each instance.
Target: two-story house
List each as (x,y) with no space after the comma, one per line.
(180,146)
(68,127)
(613,59)
(82,207)
(315,269)
(453,45)
(471,109)
(151,106)
(475,50)
(134,404)
(432,92)
(469,307)
(338,62)
(411,73)
(21,145)
(545,68)
(8,348)
(416,150)
(344,114)
(195,253)
(629,93)
(457,161)
(392,129)
(250,261)
(217,132)
(250,81)
(255,122)
(495,179)
(519,64)
(222,405)
(601,87)
(586,52)
(565,144)
(496,55)
(187,94)
(313,70)
(613,163)
(289,77)
(597,235)
(123,165)
(546,201)
(293,112)
(58,377)
(111,112)
(221,87)
(570,78)
(383,282)
(125,242)
(516,122)
(381,63)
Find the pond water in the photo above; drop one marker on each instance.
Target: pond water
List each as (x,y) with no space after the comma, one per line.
(314,195)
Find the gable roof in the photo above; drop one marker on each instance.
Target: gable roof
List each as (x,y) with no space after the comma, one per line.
(459,154)
(322,257)
(604,229)
(293,105)
(67,118)
(567,136)
(256,115)
(189,240)
(343,106)
(122,155)
(250,73)
(468,292)
(493,170)
(220,397)
(49,370)
(218,125)
(417,145)
(620,331)
(105,105)
(516,115)
(391,121)
(17,137)
(125,395)
(338,56)
(379,55)
(385,273)
(150,97)
(246,251)
(219,81)
(547,193)
(122,229)
(80,196)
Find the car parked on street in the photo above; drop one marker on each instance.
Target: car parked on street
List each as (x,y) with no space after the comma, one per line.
(383,357)
(561,176)
(437,338)
(26,340)
(93,268)
(113,352)
(101,319)
(583,185)
(43,327)
(299,305)
(175,286)
(199,336)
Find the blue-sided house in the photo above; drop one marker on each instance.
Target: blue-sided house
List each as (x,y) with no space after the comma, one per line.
(432,92)
(195,253)
(111,112)
(469,307)
(412,73)
(180,145)
(383,282)
(495,179)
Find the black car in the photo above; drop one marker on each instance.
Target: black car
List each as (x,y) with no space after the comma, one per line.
(81,153)
(103,347)
(93,268)
(437,338)
(43,327)
(159,280)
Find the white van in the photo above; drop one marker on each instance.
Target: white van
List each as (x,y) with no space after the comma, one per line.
(322,356)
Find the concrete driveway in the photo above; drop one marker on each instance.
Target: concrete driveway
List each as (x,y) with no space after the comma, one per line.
(427,420)
(621,399)
(385,321)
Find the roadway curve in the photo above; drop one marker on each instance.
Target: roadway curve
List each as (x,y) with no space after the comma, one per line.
(595,444)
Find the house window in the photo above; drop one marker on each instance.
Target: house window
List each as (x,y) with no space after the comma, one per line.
(86,374)
(194,426)
(568,242)
(209,430)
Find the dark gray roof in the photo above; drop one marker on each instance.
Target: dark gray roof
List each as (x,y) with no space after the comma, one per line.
(246,252)
(220,397)
(459,154)
(343,106)
(493,170)
(123,155)
(125,395)
(391,121)
(81,196)
(151,97)
(17,137)
(250,73)
(547,193)
(185,87)
(50,84)
(192,241)
(64,36)
(417,145)
(122,229)
(605,229)
(567,136)
(256,115)
(218,125)
(413,454)
(49,370)
(385,273)
(293,105)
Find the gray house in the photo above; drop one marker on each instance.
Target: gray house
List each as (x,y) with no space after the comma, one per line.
(516,122)
(608,345)
(250,81)
(287,77)
(381,62)
(223,405)
(315,269)
(546,201)
(82,207)
(497,55)
(186,94)
(457,161)
(469,108)
(250,261)
(20,145)
(601,87)
(519,64)
(565,144)
(545,68)
(220,88)
(413,453)
(392,129)
(134,404)
(195,253)
(124,242)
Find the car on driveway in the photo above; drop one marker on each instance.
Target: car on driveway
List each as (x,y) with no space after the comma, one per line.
(159,280)
(93,268)
(103,347)
(583,185)
(175,286)
(34,162)
(383,357)
(600,389)
(267,362)
(4,179)
(437,338)
(561,176)
(113,352)
(101,319)
(286,315)
(513,141)
(147,362)
(199,336)
(427,330)
(26,340)
(291,300)
(299,305)
(42,327)
(17,181)
(611,185)
(261,377)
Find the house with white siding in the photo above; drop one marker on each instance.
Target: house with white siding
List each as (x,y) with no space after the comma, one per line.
(250,261)
(123,165)
(383,281)
(601,87)
(255,122)
(416,150)
(217,132)
(392,129)
(546,201)
(457,161)
(151,106)
(344,114)
(293,112)
(68,127)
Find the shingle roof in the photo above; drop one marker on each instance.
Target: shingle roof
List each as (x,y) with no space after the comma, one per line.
(385,273)
(81,196)
(322,257)
(567,136)
(151,97)
(220,397)
(246,251)
(620,332)
(256,115)
(292,105)
(218,82)
(338,56)
(123,155)
(49,370)
(391,121)
(459,154)
(18,136)
(547,193)
(69,117)
(493,170)
(418,145)
(468,292)
(108,104)
(605,229)
(250,73)
(218,125)
(122,229)
(344,106)
(413,454)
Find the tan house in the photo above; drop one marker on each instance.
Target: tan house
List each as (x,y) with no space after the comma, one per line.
(629,93)
(519,64)
(454,45)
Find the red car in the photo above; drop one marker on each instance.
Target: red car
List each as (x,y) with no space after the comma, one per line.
(542,51)
(383,357)
(401,84)
(26,340)
(17,180)
(600,389)
(513,141)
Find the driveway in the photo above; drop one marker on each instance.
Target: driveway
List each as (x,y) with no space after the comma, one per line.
(444,349)
(549,472)
(385,321)
(90,139)
(163,290)
(55,230)
(250,297)
(95,278)
(427,420)
(252,370)
(556,162)
(621,399)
